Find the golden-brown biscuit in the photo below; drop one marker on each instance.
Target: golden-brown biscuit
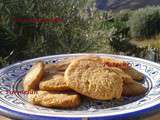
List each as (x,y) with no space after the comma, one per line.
(50,68)
(115,63)
(57,67)
(61,66)
(55,99)
(33,77)
(52,82)
(136,75)
(89,57)
(126,78)
(92,79)
(133,89)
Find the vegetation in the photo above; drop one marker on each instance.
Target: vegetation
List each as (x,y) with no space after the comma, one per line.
(28,39)
(153,42)
(145,22)
(83,29)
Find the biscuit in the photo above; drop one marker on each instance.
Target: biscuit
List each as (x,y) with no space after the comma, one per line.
(53,82)
(57,67)
(55,99)
(133,89)
(136,75)
(126,78)
(90,78)
(63,64)
(89,57)
(115,63)
(33,77)
(50,68)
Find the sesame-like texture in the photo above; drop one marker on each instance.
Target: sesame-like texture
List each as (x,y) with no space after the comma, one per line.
(91,78)
(33,77)
(55,99)
(53,82)
(54,76)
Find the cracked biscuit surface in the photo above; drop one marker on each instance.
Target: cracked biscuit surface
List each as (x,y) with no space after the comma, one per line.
(91,78)
(55,99)
(54,76)
(126,78)
(53,82)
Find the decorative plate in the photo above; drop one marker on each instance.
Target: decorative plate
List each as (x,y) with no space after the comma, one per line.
(14,104)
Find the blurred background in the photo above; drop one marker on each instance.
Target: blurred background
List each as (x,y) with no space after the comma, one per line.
(127,27)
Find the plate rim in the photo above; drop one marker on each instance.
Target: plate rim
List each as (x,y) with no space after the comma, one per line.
(16,114)
(12,112)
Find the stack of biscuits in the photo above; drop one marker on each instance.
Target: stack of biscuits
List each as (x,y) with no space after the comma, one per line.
(63,84)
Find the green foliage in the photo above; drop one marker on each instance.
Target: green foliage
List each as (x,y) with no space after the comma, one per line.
(117,32)
(145,22)
(120,25)
(83,29)
(123,15)
(3,62)
(28,39)
(118,36)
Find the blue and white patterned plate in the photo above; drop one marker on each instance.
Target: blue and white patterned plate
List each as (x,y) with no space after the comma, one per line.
(15,105)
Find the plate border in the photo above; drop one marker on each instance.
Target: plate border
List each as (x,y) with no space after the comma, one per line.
(21,115)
